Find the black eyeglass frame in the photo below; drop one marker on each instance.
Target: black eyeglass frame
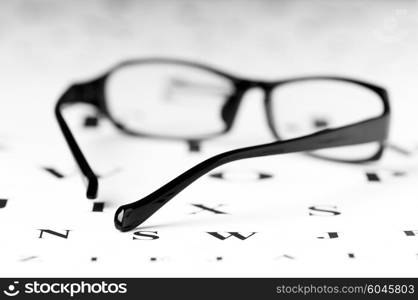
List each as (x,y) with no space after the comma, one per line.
(129,216)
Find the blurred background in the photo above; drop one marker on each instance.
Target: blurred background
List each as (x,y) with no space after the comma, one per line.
(46,45)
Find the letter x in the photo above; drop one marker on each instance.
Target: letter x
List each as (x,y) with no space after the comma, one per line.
(205,208)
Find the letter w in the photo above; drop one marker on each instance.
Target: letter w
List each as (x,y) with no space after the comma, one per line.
(235,234)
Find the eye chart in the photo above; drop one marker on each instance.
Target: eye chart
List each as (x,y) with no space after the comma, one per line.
(288,215)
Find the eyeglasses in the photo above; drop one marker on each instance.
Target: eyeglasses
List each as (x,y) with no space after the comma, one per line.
(176,99)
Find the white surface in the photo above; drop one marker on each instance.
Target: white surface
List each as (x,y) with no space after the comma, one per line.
(46,45)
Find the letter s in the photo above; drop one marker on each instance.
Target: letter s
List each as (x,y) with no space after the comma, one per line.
(28,288)
(122,288)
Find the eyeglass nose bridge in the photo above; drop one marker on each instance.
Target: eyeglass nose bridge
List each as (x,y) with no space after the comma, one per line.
(231,106)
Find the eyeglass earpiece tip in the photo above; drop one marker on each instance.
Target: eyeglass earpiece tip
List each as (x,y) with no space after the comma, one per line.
(122,221)
(119,216)
(92,188)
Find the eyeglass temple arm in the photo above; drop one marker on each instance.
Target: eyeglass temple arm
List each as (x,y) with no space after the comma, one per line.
(71,96)
(129,216)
